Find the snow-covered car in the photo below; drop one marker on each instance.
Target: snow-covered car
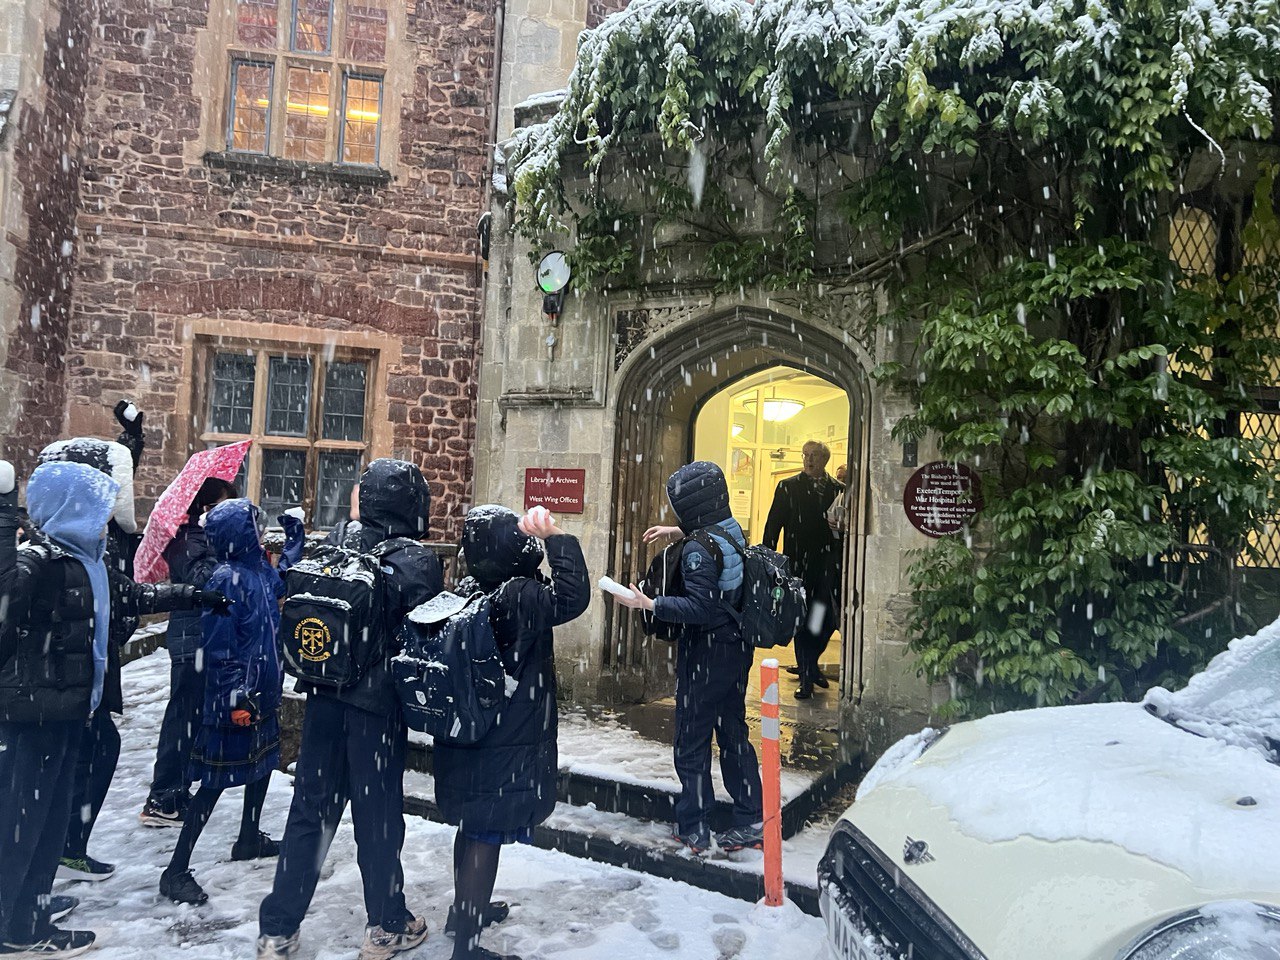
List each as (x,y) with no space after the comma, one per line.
(1121,831)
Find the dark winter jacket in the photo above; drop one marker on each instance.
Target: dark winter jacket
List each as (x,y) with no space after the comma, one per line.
(129,601)
(699,495)
(395,502)
(800,509)
(507,781)
(47,632)
(242,666)
(191,562)
(346,534)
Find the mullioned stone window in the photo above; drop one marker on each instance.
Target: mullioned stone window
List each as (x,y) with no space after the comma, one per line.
(307,80)
(307,411)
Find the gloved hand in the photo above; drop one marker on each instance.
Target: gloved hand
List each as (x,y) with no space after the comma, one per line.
(8,486)
(214,601)
(245,712)
(291,521)
(130,417)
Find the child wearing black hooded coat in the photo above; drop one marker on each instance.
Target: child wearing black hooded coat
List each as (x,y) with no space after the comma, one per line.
(497,790)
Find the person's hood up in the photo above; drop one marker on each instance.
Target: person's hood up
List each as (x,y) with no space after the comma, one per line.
(495,548)
(110,458)
(395,501)
(70,503)
(699,495)
(232,529)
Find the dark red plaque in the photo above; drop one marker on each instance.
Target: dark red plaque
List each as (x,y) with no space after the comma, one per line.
(560,491)
(942,497)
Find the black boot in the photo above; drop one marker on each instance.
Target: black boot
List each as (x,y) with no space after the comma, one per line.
(496,912)
(182,888)
(260,847)
(805,690)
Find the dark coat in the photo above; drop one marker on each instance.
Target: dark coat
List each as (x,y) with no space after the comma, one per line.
(395,503)
(46,632)
(699,496)
(191,562)
(507,781)
(241,658)
(800,509)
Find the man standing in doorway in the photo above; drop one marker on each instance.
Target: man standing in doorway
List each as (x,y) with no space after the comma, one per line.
(800,508)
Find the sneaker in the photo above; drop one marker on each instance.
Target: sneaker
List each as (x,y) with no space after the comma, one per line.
(496,912)
(742,838)
(84,868)
(382,944)
(182,888)
(53,943)
(277,948)
(60,906)
(698,841)
(153,815)
(260,847)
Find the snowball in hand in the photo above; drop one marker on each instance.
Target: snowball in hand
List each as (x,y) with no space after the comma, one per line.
(538,516)
(131,413)
(296,512)
(7,480)
(611,585)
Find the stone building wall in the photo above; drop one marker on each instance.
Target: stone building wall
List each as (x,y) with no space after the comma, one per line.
(181,241)
(43,73)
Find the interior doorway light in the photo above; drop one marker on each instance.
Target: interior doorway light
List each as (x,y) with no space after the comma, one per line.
(776,409)
(737,429)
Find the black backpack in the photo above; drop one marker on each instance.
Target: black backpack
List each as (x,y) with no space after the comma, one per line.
(773,602)
(332,626)
(448,673)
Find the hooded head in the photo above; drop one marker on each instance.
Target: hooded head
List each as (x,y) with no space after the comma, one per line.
(234,530)
(71,503)
(394,502)
(106,456)
(699,495)
(495,548)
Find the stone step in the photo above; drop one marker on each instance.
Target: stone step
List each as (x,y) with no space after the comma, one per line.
(656,803)
(668,862)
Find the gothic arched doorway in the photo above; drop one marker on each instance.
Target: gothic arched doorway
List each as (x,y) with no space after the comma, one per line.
(661,390)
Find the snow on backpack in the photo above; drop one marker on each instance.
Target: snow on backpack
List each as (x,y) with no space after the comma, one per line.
(332,626)
(448,673)
(773,602)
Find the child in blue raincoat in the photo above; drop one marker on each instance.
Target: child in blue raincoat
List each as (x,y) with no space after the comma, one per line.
(238,743)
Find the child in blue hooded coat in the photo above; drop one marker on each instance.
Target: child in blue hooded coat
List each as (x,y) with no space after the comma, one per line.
(53,658)
(239,739)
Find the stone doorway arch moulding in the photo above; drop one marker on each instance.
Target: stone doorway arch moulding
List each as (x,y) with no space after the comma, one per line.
(665,369)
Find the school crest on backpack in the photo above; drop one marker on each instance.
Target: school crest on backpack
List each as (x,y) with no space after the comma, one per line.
(449,673)
(332,625)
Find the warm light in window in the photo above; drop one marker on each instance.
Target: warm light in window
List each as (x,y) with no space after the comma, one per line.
(776,409)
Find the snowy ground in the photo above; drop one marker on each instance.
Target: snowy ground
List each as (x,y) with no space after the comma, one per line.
(566,908)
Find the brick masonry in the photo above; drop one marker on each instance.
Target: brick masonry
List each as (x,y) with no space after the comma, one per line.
(46,171)
(167,237)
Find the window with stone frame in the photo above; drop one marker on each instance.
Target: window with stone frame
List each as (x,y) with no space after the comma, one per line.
(306,80)
(307,411)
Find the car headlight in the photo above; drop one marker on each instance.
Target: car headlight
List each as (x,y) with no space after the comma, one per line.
(1233,930)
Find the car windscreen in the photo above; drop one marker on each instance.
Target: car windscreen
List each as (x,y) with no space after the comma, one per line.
(1236,698)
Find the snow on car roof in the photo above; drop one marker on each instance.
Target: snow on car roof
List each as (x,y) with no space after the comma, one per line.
(1235,699)
(1110,773)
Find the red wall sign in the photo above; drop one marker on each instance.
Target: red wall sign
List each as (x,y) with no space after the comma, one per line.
(942,497)
(560,491)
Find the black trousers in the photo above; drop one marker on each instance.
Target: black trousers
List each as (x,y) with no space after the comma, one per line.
(170,783)
(822,588)
(37,770)
(95,768)
(711,695)
(346,754)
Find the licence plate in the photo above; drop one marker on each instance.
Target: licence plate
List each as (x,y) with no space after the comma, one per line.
(848,941)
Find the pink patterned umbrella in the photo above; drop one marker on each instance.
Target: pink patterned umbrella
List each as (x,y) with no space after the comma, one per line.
(171,509)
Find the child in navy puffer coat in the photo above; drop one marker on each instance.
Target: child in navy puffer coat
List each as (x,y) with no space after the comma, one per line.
(239,739)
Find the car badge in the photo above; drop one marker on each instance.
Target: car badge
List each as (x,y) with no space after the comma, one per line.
(915,852)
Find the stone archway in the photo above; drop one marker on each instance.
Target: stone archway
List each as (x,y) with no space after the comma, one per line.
(656,395)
